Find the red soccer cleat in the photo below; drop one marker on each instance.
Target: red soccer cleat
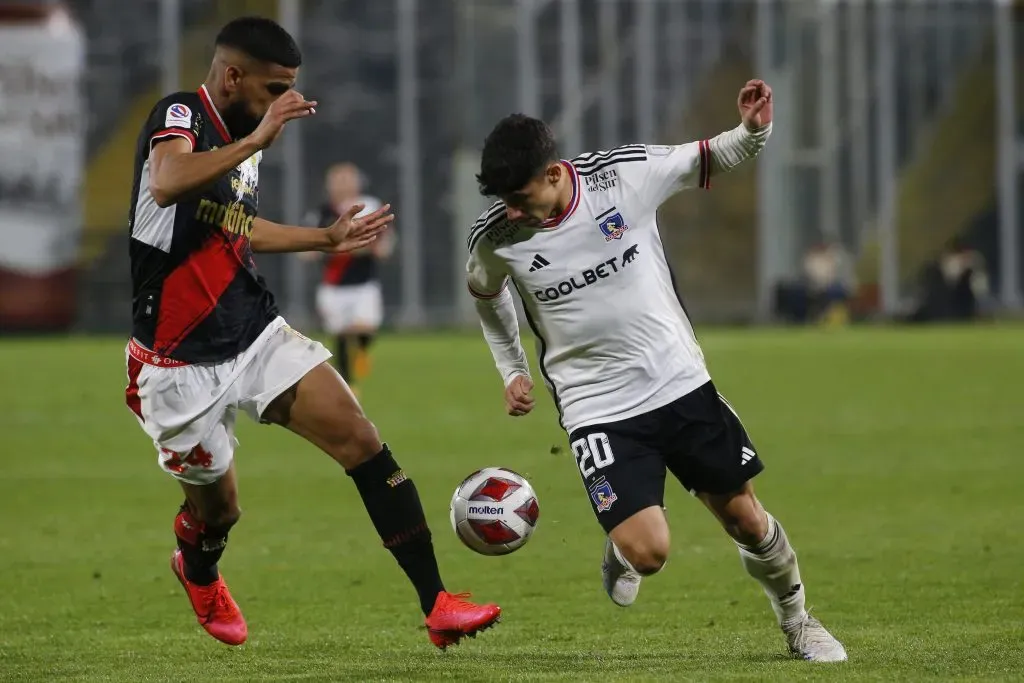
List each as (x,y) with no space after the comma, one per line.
(454,617)
(215,609)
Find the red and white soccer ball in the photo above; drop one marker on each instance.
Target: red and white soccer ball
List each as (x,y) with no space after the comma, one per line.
(494,511)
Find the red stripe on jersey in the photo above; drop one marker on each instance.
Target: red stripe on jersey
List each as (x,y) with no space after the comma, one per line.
(191,291)
(174,132)
(131,393)
(211,110)
(705,164)
(336,267)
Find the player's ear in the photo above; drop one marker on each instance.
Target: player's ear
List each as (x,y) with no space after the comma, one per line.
(554,172)
(233,78)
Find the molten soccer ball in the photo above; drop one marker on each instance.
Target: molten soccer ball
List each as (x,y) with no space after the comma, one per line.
(494,511)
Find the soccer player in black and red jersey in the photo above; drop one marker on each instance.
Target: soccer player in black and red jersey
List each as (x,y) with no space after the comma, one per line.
(207,340)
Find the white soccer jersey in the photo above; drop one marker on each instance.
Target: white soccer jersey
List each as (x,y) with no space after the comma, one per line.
(613,337)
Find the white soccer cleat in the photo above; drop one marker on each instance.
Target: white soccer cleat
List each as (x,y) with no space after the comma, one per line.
(811,641)
(621,581)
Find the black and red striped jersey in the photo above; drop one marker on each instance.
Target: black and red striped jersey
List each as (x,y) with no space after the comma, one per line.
(196,294)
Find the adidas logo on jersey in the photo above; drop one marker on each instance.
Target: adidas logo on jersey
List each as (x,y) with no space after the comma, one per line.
(747,454)
(538,263)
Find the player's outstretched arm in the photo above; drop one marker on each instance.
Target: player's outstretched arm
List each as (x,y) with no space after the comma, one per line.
(731,148)
(669,169)
(348,233)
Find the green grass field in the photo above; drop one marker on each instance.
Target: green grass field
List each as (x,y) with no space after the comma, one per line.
(893,459)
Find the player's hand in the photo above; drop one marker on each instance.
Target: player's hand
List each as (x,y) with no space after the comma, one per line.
(517,396)
(291,105)
(350,233)
(755,104)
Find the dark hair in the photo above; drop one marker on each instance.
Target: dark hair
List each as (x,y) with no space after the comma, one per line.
(261,38)
(516,150)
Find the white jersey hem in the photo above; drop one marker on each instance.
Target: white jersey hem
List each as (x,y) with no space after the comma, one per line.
(659,400)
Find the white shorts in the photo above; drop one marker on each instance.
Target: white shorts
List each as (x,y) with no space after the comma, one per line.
(350,306)
(189,409)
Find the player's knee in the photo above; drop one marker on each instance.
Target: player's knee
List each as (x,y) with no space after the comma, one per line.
(747,523)
(752,528)
(222,517)
(647,556)
(360,443)
(649,560)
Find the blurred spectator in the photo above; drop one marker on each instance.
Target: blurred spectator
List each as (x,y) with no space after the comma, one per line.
(954,287)
(823,291)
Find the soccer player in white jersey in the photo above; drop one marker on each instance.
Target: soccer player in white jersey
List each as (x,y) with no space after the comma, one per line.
(579,240)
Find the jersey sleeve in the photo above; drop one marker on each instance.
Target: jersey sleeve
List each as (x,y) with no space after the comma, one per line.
(173,118)
(486,276)
(671,168)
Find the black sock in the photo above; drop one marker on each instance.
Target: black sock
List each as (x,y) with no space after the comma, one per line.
(201,547)
(395,510)
(341,356)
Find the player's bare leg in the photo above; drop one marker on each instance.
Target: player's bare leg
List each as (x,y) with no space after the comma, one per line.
(635,548)
(322,410)
(769,558)
(201,528)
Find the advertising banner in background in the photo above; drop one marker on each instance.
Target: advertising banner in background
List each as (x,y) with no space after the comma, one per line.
(42,134)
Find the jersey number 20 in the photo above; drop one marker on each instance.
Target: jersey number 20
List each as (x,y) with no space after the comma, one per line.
(593,453)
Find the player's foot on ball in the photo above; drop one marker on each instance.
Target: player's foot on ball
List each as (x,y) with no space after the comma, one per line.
(454,617)
(215,609)
(622,583)
(810,640)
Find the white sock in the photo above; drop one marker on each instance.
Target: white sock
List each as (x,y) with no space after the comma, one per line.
(773,563)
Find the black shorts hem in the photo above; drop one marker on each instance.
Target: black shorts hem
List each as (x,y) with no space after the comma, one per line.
(724,486)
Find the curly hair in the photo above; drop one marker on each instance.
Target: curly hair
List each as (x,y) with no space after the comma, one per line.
(514,152)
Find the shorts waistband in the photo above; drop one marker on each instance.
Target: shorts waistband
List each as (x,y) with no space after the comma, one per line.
(144,355)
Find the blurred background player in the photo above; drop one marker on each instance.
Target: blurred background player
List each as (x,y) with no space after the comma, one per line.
(349,300)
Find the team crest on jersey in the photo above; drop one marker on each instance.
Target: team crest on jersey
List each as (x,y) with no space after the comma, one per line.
(612,226)
(602,495)
(248,176)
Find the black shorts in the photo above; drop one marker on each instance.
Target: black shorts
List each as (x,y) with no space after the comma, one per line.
(699,438)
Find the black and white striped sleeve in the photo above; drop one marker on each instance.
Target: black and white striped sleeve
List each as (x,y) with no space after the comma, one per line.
(486,276)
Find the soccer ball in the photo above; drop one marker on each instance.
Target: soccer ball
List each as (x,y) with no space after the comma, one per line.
(494,511)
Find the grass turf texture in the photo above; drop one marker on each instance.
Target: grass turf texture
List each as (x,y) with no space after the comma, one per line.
(893,460)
